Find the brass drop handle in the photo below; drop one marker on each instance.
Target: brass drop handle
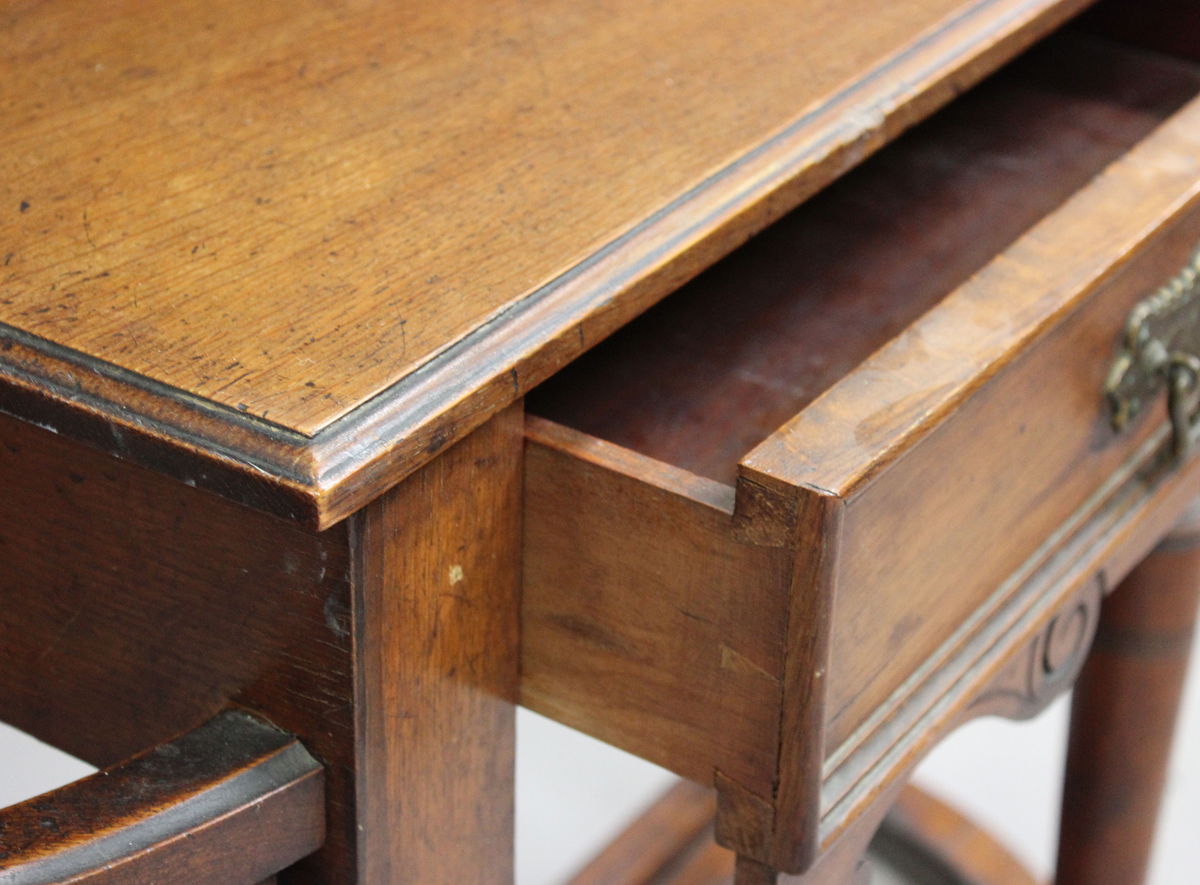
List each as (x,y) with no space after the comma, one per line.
(1161,349)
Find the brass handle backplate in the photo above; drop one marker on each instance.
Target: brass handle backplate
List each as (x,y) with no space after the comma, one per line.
(1161,350)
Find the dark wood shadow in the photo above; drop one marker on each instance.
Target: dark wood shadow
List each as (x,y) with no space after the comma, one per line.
(230,803)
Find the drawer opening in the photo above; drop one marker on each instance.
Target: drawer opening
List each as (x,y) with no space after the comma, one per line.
(738,525)
(703,377)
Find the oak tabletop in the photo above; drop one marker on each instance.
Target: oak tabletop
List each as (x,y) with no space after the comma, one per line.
(289,219)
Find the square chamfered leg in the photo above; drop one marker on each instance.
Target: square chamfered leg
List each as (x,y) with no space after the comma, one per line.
(437,576)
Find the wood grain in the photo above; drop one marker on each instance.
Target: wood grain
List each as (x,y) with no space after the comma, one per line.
(1123,717)
(804,737)
(995,661)
(437,578)
(268,217)
(140,606)
(227,804)
(952,385)
(715,369)
(136,608)
(982,420)
(992,673)
(645,621)
(843,862)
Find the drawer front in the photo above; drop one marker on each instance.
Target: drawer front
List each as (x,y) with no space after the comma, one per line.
(935,535)
(983,429)
(884,553)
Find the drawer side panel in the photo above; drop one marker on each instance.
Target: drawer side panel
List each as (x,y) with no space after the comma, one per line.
(645,623)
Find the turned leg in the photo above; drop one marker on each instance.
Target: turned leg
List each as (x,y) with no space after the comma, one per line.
(1123,716)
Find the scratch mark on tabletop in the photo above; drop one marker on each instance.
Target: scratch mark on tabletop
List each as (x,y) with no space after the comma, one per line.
(688,614)
(62,631)
(87,230)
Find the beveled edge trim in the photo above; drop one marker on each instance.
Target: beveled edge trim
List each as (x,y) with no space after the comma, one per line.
(320,480)
(115,825)
(1105,537)
(139,420)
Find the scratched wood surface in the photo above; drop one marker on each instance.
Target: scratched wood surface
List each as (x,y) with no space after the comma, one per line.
(259,217)
(284,208)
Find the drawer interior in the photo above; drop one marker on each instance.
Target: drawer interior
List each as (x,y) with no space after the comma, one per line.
(714,369)
(713,499)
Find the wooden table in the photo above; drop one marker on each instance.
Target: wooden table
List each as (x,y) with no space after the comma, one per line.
(340,387)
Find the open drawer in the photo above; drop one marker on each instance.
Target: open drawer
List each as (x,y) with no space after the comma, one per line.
(836,493)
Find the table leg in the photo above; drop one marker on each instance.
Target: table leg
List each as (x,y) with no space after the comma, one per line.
(437,580)
(1123,716)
